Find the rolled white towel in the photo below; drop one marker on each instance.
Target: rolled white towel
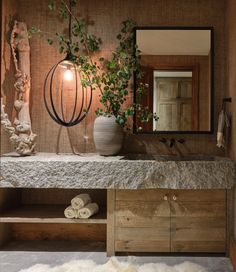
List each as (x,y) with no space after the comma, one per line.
(80,201)
(70,212)
(88,210)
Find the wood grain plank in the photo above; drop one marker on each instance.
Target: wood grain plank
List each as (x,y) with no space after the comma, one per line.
(204,235)
(143,221)
(142,208)
(204,195)
(111,222)
(198,209)
(70,232)
(148,234)
(199,222)
(230,218)
(47,214)
(199,246)
(142,246)
(232,253)
(141,195)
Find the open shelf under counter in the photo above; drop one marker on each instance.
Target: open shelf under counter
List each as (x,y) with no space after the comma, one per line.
(47,214)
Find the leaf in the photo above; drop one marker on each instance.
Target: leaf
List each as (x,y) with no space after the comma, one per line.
(34,29)
(52,5)
(63,13)
(120,120)
(73,3)
(111,64)
(60,37)
(61,49)
(50,41)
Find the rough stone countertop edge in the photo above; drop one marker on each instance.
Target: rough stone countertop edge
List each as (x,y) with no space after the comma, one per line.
(116,174)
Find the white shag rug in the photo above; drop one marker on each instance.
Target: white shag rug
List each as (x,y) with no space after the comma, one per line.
(113,265)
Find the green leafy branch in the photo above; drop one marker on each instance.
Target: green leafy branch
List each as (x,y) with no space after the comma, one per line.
(111,76)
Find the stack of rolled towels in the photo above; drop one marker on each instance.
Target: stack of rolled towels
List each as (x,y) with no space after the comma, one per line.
(81,207)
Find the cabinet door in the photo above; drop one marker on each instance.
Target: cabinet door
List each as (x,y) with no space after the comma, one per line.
(142,221)
(198,221)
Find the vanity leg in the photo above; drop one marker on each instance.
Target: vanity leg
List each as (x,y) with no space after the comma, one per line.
(111,222)
(230,220)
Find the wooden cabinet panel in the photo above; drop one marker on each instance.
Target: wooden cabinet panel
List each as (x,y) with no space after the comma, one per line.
(198,221)
(144,209)
(197,209)
(141,233)
(142,221)
(198,246)
(142,246)
(129,221)
(198,234)
(170,221)
(215,195)
(142,195)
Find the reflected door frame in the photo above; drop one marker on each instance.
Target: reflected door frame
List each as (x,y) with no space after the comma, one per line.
(194,68)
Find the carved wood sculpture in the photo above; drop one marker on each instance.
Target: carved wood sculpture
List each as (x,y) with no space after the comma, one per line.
(21,135)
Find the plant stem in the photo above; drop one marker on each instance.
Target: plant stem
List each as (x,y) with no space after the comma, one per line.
(85,43)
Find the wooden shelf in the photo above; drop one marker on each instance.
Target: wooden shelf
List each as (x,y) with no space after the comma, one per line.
(47,214)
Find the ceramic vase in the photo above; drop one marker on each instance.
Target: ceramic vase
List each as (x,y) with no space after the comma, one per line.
(108,136)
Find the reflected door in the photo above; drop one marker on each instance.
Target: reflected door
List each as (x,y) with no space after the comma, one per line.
(173,103)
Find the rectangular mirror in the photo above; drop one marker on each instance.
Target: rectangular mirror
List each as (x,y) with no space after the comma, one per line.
(177,65)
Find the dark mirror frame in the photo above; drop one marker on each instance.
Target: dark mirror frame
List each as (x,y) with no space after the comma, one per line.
(211,29)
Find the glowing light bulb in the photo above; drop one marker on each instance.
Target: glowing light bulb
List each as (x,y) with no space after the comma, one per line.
(68,75)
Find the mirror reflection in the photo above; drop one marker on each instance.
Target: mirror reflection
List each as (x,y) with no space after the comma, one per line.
(176,64)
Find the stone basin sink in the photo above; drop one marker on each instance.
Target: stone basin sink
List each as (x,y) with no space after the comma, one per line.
(156,157)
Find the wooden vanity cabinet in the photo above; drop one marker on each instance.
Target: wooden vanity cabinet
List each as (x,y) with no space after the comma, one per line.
(145,220)
(169,221)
